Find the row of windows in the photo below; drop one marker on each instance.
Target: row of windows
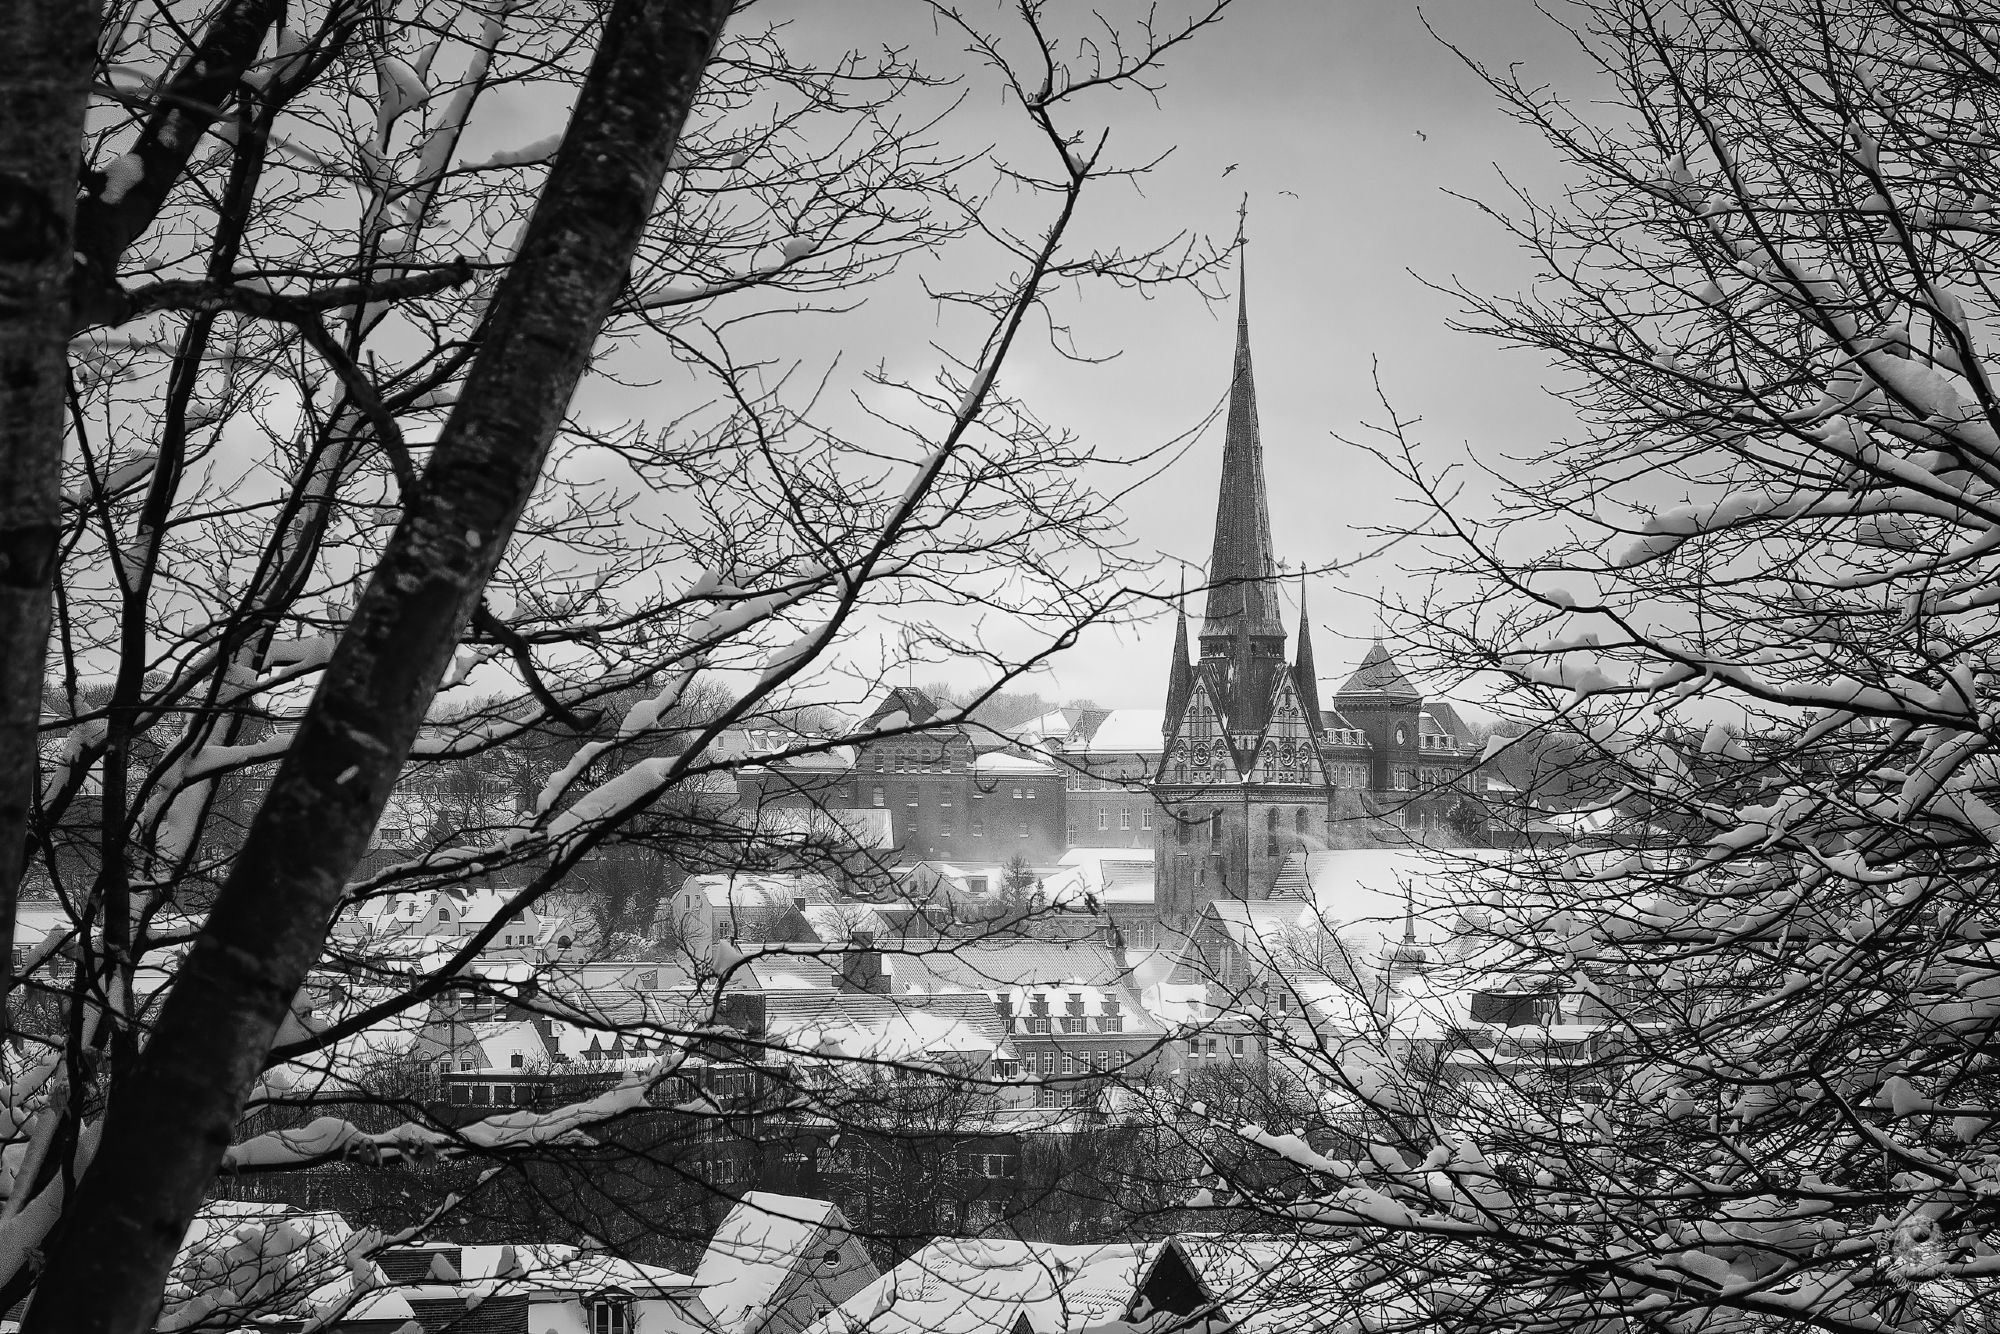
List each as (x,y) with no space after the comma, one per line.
(1124,820)
(1077,782)
(913,796)
(1109,1022)
(977,829)
(1047,1064)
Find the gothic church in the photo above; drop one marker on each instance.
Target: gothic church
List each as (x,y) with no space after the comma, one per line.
(1255,773)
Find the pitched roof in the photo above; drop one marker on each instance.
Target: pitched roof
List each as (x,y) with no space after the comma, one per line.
(978,1285)
(762,1242)
(1305,673)
(1242,592)
(1180,673)
(1124,731)
(1445,716)
(915,705)
(1378,674)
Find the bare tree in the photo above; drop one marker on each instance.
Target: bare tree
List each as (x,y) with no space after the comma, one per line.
(1727,1066)
(326,348)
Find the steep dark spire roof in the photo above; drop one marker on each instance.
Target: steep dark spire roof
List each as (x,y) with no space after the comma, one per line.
(920,707)
(1305,675)
(1378,674)
(1242,597)
(1180,677)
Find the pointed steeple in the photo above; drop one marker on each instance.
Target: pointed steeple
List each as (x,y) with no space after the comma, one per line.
(1242,597)
(1305,675)
(1180,676)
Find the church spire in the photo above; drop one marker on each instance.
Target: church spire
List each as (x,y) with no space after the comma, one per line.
(1242,596)
(1180,677)
(1304,673)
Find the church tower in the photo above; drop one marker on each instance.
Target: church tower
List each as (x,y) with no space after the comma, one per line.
(1242,782)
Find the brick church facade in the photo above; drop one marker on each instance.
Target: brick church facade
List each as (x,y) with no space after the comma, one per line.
(1256,771)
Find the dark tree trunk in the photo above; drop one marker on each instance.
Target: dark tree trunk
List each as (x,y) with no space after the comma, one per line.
(170,1121)
(44,88)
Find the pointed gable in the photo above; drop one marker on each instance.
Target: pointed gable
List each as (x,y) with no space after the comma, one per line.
(1379,676)
(1198,748)
(1288,751)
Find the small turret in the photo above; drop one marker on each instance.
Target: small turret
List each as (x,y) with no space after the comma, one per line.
(1180,676)
(1305,674)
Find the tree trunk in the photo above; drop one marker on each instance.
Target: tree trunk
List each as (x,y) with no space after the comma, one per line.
(169,1123)
(44,88)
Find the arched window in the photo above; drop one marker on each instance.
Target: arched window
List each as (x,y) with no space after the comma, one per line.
(1215,828)
(1300,824)
(878,796)
(1271,832)
(1180,831)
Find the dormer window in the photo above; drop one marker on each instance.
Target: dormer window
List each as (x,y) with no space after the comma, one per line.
(610,1313)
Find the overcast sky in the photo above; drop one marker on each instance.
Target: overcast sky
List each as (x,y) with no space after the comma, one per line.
(1347,123)
(1359,112)
(1362,114)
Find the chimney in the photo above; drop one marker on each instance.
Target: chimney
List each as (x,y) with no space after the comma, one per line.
(742,1011)
(1115,939)
(861,967)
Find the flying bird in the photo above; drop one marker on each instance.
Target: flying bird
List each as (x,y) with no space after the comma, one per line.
(1231,167)
(1425,137)
(1289,194)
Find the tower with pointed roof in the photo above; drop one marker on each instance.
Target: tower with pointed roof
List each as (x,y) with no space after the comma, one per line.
(1380,700)
(1255,774)
(1242,782)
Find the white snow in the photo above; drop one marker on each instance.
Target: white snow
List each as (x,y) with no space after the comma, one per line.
(398,89)
(528,155)
(120,175)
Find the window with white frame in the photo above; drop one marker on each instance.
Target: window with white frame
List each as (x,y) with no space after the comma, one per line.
(610,1314)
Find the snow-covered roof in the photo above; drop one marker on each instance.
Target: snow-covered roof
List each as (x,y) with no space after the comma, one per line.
(834,923)
(750,890)
(761,1242)
(1000,762)
(977,1285)
(503,1040)
(1129,731)
(1366,887)
(904,1028)
(1110,875)
(1055,725)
